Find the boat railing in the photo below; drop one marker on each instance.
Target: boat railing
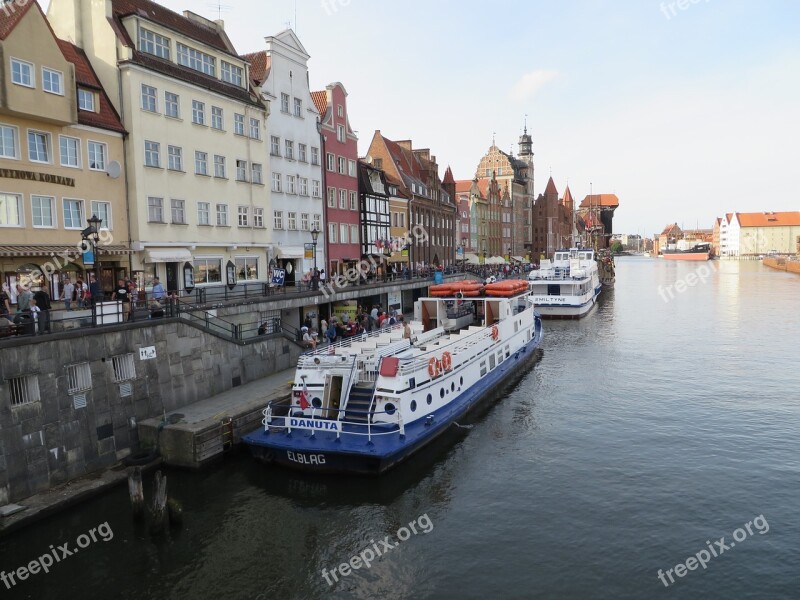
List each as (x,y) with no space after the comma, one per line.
(409,365)
(346,342)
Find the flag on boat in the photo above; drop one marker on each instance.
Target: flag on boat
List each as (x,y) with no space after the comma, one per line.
(304,404)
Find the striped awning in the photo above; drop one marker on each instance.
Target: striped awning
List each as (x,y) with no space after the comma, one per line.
(20,250)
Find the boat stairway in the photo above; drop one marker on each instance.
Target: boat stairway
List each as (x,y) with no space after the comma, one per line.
(358,403)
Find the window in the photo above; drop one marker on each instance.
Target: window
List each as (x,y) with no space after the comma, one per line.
(155,209)
(194,59)
(276,182)
(351,168)
(378,163)
(38,146)
(73,214)
(152,43)
(232,73)
(353,201)
(203,209)
(200,162)
(343,199)
(277,218)
(70,151)
(284,103)
(102,210)
(275,145)
(238,124)
(124,368)
(339,111)
(175,158)
(291,219)
(343,233)
(330,161)
(24,390)
(332,229)
(256,173)
(316,188)
(314,155)
(289,153)
(290,184)
(171,105)
(178,208)
(331,197)
(353,234)
(152,154)
(42,210)
(216,117)
(85,100)
(52,81)
(10,210)
(255,129)
(22,73)
(244,216)
(241,170)
(207,270)
(222,215)
(247,268)
(219,166)
(79,378)
(258,217)
(8,141)
(198,112)
(318,222)
(149,98)
(340,136)
(301,151)
(302,186)
(298,107)
(97,156)
(304,221)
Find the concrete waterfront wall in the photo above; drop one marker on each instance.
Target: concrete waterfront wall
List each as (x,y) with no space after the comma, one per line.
(49,441)
(782,264)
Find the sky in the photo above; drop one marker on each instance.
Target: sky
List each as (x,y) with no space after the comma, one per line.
(685,110)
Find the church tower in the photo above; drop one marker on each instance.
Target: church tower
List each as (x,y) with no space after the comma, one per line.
(526,154)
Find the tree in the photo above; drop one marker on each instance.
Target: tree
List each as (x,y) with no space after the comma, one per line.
(616,247)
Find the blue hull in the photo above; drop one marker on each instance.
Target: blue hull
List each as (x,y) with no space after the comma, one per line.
(322,452)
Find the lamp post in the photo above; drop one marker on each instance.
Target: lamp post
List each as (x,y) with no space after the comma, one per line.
(463,255)
(314,236)
(93,234)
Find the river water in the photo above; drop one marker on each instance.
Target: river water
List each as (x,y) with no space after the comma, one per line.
(643,434)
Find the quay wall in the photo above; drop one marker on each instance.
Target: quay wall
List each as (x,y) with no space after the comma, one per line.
(70,403)
(792,266)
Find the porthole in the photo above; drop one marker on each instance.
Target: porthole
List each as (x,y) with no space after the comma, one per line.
(390,409)
(413,405)
(316,402)
(429,399)
(453,386)
(441,393)
(460,381)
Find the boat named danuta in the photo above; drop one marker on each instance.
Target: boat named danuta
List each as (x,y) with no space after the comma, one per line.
(366,403)
(567,286)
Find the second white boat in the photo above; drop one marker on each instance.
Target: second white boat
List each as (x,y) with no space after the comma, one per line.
(567,286)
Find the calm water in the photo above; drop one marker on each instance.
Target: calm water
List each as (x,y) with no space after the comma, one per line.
(642,431)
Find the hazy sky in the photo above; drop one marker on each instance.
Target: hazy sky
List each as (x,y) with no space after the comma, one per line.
(683,113)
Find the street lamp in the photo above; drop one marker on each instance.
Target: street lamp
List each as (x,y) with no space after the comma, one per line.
(463,255)
(92,233)
(314,236)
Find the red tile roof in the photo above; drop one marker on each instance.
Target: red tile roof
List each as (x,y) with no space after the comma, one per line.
(106,117)
(567,196)
(153,11)
(260,64)
(320,101)
(551,188)
(769,219)
(668,229)
(11,13)
(463,185)
(609,200)
(448,176)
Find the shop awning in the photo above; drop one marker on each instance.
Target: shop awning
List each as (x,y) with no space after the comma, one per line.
(518,258)
(51,250)
(290,252)
(167,255)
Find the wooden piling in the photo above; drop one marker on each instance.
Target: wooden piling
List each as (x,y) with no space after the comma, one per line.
(160,512)
(136,492)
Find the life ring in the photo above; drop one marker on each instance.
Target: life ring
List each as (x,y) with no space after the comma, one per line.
(433,367)
(495,333)
(447,361)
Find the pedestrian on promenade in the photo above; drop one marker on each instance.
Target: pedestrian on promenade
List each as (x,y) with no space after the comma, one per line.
(43,308)
(24,296)
(5,301)
(34,311)
(67,293)
(158,292)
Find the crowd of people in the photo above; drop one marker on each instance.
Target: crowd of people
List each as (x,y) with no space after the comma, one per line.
(345,326)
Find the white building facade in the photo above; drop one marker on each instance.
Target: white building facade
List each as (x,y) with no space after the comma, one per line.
(293,141)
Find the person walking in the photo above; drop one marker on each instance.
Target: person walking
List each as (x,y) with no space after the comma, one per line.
(158,292)
(121,295)
(43,308)
(24,296)
(67,292)
(33,311)
(5,301)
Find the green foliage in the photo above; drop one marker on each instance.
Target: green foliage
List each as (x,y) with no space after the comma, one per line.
(616,247)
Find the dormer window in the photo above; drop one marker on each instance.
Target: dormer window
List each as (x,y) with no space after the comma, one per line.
(232,74)
(199,61)
(85,100)
(152,43)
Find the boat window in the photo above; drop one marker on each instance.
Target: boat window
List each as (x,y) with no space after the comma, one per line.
(429,399)
(453,386)
(390,408)
(316,403)
(413,405)
(508,351)
(516,326)
(492,362)
(441,393)
(500,356)
(483,368)
(460,381)
(553,289)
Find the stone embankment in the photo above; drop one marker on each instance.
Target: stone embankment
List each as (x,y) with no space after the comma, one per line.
(782,264)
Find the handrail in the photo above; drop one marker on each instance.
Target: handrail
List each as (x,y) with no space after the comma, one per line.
(346,342)
(349,386)
(372,400)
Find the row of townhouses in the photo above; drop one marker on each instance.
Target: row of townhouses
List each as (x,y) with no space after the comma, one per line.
(204,166)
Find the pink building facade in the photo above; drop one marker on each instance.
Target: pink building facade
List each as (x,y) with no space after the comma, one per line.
(340,168)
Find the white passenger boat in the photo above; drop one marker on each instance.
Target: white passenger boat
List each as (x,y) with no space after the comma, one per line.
(366,403)
(567,286)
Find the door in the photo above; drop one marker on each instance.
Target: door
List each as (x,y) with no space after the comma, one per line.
(332,397)
(173,281)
